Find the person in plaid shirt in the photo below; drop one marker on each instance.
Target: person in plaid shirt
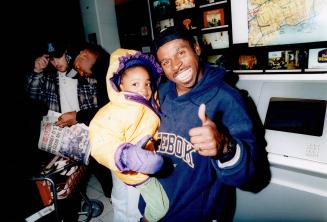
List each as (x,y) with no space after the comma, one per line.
(61,88)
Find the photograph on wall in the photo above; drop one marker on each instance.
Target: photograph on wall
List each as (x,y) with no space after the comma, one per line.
(215,40)
(284,60)
(317,58)
(213,18)
(282,22)
(219,60)
(165,23)
(184,4)
(162,8)
(247,62)
(187,19)
(188,23)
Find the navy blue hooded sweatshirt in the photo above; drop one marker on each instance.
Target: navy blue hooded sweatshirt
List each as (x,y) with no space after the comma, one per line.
(197,186)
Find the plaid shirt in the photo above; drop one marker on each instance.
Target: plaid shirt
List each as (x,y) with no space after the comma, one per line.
(44,87)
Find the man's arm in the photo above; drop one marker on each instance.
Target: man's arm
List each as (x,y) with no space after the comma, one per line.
(232,155)
(85,116)
(35,78)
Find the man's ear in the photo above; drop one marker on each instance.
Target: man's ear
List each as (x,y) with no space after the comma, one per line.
(197,48)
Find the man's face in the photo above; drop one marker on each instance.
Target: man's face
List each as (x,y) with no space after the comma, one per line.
(84,62)
(180,63)
(60,64)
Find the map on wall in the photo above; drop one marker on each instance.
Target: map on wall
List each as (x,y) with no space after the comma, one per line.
(279,22)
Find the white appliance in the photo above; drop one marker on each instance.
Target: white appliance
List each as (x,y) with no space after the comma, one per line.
(298,187)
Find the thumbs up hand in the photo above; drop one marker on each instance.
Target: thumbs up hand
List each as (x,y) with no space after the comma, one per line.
(206,139)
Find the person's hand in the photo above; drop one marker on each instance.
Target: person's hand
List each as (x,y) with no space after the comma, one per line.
(67,119)
(41,63)
(206,139)
(129,157)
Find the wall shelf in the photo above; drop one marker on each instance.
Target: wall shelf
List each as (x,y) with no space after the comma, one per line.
(214,28)
(212,4)
(282,77)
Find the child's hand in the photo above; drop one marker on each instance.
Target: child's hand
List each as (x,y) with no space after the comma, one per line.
(129,157)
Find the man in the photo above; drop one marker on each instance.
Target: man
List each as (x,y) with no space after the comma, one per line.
(93,62)
(205,131)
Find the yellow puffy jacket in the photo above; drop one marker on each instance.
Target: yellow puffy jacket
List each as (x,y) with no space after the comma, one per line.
(122,120)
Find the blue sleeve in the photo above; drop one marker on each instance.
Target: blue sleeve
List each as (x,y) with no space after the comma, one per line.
(241,167)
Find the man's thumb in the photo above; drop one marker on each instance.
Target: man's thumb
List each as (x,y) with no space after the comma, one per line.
(202,113)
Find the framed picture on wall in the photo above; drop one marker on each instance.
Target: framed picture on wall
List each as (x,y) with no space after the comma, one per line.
(317,58)
(213,18)
(284,60)
(188,23)
(165,23)
(162,8)
(184,4)
(216,40)
(189,19)
(247,62)
(219,60)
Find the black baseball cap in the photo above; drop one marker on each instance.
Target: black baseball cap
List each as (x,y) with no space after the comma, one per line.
(56,49)
(169,34)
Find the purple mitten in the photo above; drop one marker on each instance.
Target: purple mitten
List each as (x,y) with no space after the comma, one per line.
(129,157)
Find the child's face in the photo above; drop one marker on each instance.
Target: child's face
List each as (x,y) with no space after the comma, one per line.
(137,80)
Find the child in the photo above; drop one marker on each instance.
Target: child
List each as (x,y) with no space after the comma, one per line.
(121,132)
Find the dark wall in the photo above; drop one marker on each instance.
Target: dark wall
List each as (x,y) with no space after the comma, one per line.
(130,23)
(39,20)
(24,26)
(30,24)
